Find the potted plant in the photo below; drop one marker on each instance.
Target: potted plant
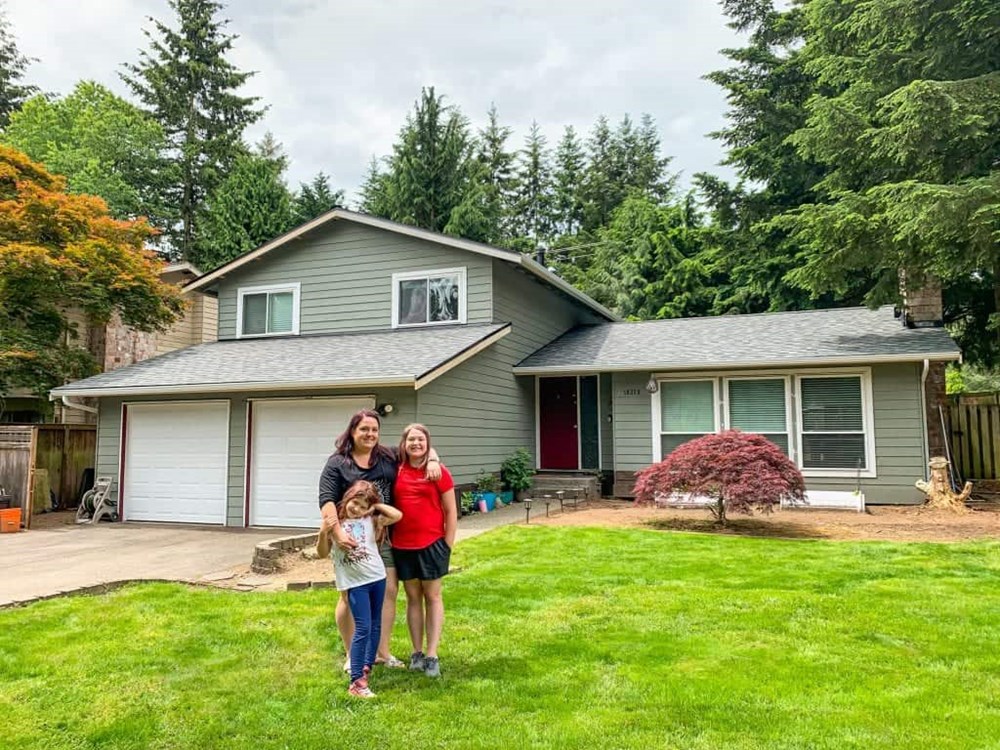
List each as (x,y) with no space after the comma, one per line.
(487,486)
(517,472)
(466,503)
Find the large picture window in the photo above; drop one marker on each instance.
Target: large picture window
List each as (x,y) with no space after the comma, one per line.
(822,421)
(268,311)
(428,297)
(832,423)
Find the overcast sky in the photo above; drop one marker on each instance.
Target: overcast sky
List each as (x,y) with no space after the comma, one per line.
(339,77)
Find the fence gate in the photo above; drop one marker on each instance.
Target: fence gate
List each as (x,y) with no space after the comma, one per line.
(974,432)
(17,454)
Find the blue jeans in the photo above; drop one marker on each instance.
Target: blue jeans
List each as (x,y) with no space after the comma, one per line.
(366,607)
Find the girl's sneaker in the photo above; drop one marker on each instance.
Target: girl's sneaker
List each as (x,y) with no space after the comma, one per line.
(417,661)
(359,689)
(432,667)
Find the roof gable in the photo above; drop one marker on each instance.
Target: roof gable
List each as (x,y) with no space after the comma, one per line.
(478,248)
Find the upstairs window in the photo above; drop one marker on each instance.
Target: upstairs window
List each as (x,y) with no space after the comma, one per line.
(424,298)
(268,311)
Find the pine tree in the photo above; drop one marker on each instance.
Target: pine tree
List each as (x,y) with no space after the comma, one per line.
(13,66)
(250,207)
(568,175)
(533,204)
(496,174)
(596,193)
(185,81)
(316,198)
(429,172)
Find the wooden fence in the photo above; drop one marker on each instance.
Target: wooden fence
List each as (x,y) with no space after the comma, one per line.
(62,451)
(974,432)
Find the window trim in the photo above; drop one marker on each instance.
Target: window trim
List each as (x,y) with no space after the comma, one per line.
(867,423)
(295,288)
(463,295)
(793,445)
(793,378)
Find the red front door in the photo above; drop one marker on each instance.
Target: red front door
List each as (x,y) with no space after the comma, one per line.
(557,423)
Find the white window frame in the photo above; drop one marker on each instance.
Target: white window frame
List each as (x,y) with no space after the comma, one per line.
(789,422)
(867,417)
(294,288)
(793,401)
(657,415)
(413,275)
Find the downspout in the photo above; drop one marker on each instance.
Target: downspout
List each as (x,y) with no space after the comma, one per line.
(75,405)
(926,417)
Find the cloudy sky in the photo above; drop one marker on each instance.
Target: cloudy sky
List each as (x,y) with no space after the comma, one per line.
(339,77)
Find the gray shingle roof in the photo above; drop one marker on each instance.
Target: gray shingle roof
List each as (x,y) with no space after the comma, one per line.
(850,335)
(363,358)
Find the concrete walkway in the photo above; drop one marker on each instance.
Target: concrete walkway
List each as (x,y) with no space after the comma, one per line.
(65,557)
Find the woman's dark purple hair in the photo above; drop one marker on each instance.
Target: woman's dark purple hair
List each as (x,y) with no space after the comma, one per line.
(345,442)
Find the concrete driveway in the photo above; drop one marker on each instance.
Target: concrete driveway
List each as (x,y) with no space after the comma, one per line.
(67,557)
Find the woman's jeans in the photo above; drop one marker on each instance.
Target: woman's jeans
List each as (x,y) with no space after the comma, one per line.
(366,607)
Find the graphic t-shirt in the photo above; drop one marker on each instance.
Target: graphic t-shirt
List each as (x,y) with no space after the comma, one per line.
(360,565)
(419,499)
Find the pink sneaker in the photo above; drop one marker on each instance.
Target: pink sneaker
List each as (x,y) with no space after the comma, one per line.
(359,689)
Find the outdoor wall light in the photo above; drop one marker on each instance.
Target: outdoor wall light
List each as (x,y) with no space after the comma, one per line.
(652,386)
(385,409)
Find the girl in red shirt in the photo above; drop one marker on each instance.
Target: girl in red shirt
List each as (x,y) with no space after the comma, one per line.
(422,543)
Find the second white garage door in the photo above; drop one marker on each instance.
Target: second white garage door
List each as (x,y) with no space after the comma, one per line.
(290,442)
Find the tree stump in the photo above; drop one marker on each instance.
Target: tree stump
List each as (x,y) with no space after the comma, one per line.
(938,489)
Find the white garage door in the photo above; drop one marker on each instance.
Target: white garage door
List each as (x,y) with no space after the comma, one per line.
(176,462)
(291,442)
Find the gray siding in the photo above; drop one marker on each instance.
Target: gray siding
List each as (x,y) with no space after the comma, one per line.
(899,433)
(346,272)
(109,432)
(479,413)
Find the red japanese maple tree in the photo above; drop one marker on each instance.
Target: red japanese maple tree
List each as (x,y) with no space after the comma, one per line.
(741,472)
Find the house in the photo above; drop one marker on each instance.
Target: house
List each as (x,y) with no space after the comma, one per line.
(491,351)
(115,345)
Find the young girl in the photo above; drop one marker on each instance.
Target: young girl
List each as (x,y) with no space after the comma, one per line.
(361,573)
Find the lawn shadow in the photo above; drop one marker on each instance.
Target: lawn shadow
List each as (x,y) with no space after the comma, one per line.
(755,527)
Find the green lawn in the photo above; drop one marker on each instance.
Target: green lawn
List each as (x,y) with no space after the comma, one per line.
(556,637)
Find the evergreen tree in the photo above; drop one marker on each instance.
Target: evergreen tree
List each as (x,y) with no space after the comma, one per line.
(766,89)
(250,207)
(316,198)
(596,193)
(430,169)
(570,162)
(906,122)
(103,145)
(13,66)
(533,205)
(188,85)
(496,174)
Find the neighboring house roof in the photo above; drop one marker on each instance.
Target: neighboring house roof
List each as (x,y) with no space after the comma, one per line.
(409,357)
(813,337)
(340,214)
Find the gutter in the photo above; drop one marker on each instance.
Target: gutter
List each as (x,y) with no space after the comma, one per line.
(164,390)
(73,405)
(668,367)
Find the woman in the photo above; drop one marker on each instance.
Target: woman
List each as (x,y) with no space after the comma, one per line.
(422,543)
(358,455)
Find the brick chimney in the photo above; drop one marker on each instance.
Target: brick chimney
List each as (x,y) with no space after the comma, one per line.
(923,307)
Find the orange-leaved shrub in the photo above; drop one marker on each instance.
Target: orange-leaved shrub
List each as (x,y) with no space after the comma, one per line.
(740,471)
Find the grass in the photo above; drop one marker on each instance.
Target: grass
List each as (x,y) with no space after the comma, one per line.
(556,638)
